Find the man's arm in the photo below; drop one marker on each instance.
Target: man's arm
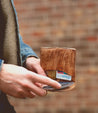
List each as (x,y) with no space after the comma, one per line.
(19,82)
(29,58)
(25,50)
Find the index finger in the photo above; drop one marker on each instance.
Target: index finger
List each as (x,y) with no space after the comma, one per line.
(45,80)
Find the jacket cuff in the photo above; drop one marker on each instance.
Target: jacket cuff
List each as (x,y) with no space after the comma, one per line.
(1,62)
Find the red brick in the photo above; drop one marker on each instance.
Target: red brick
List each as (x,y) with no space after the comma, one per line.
(91,4)
(38,34)
(92,38)
(42,9)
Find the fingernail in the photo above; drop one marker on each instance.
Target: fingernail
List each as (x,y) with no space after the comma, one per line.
(59,85)
(45,93)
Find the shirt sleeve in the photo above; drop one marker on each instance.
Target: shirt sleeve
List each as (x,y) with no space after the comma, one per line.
(1,62)
(25,50)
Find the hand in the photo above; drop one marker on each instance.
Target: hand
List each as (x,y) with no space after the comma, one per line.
(33,64)
(20,82)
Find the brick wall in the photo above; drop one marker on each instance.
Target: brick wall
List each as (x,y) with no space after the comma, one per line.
(63,23)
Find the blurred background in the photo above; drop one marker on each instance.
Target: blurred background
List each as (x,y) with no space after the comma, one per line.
(63,23)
